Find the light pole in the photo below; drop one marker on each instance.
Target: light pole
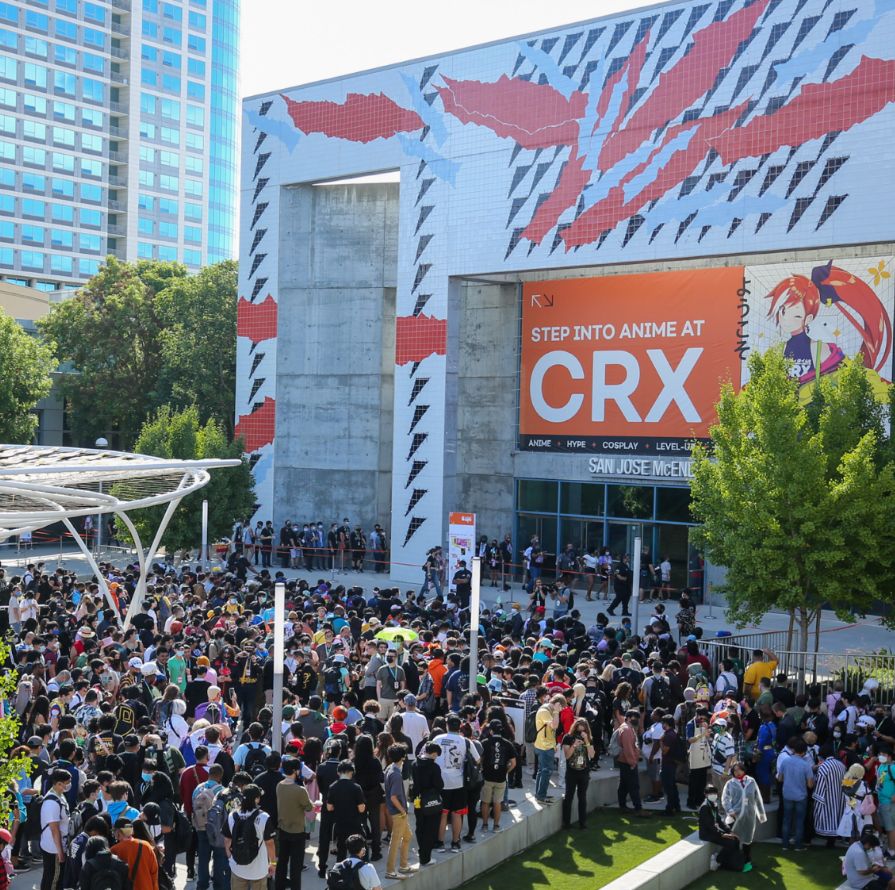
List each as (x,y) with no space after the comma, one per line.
(279,633)
(204,545)
(474,598)
(636,587)
(101,442)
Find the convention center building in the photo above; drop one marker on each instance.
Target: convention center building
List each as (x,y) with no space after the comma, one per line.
(510,280)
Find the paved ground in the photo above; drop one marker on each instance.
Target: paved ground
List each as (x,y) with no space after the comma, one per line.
(861,635)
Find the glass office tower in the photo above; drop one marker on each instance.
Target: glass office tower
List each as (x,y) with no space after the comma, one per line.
(117,129)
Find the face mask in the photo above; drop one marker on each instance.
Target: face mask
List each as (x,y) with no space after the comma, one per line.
(711,798)
(147,777)
(883,758)
(837,734)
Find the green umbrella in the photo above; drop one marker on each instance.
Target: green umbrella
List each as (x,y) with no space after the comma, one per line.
(389,633)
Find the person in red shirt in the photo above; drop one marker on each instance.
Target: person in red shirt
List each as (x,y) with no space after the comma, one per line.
(190,779)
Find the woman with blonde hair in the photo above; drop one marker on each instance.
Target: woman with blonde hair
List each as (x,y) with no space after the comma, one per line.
(859,806)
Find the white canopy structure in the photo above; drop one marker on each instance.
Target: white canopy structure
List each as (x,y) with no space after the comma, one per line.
(41,485)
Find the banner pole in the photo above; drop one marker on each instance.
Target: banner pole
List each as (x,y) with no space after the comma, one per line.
(475,596)
(635,620)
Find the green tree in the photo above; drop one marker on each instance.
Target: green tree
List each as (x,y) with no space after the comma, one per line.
(230,493)
(141,335)
(25,368)
(797,502)
(10,767)
(199,341)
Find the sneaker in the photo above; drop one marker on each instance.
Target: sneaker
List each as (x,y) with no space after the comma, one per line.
(485,829)
(455,847)
(22,866)
(470,839)
(800,849)
(747,867)
(394,876)
(191,874)
(497,828)
(511,803)
(376,857)
(406,870)
(714,865)
(439,848)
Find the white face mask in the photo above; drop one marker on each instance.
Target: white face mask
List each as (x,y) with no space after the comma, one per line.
(883,758)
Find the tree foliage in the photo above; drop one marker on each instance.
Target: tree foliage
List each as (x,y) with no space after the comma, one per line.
(230,493)
(141,335)
(11,768)
(798,502)
(25,368)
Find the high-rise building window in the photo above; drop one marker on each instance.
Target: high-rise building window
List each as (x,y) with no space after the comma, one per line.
(8,13)
(9,69)
(91,218)
(196,43)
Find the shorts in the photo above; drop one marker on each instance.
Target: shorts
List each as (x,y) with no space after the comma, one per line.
(886,811)
(492,792)
(454,800)
(653,768)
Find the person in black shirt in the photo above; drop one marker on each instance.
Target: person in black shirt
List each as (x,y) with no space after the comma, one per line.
(782,693)
(498,760)
(268,781)
(462,581)
(623,586)
(713,830)
(327,775)
(345,803)
(196,692)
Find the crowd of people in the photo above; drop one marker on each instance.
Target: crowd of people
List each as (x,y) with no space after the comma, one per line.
(155,742)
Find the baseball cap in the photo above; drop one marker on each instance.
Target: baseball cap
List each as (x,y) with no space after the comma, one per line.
(136,663)
(410,700)
(150,669)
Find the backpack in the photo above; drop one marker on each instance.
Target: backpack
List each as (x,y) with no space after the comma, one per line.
(183,831)
(332,679)
(660,693)
(203,801)
(614,748)
(531,727)
(106,879)
(187,752)
(254,763)
(217,816)
(245,844)
(839,707)
(344,875)
(429,704)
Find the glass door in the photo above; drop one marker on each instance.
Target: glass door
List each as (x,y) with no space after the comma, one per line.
(545,528)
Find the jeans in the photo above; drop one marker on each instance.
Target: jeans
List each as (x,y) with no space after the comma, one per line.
(794,821)
(431,578)
(669,786)
(576,782)
(203,861)
(545,768)
(325,842)
(628,786)
(290,858)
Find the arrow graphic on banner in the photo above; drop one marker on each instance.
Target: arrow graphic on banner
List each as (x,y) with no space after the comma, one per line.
(537,298)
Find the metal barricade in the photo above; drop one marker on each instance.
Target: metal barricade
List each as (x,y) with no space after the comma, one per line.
(818,673)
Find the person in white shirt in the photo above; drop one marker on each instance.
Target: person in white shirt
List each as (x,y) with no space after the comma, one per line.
(250,819)
(455,748)
(367,876)
(15,611)
(416,727)
(54,819)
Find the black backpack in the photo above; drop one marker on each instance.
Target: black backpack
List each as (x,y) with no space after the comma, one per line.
(531,727)
(344,875)
(660,693)
(254,763)
(332,679)
(106,879)
(245,843)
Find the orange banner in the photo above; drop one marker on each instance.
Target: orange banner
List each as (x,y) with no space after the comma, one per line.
(627,362)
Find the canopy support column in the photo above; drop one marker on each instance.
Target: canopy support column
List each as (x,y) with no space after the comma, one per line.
(101,581)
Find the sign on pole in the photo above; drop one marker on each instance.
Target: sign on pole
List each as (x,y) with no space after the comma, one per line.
(461,542)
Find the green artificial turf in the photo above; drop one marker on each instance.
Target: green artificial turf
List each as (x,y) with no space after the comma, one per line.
(772,869)
(612,844)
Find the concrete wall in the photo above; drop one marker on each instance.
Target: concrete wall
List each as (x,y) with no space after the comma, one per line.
(486,410)
(338,258)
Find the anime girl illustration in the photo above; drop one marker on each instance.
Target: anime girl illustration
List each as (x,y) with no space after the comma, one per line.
(828,317)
